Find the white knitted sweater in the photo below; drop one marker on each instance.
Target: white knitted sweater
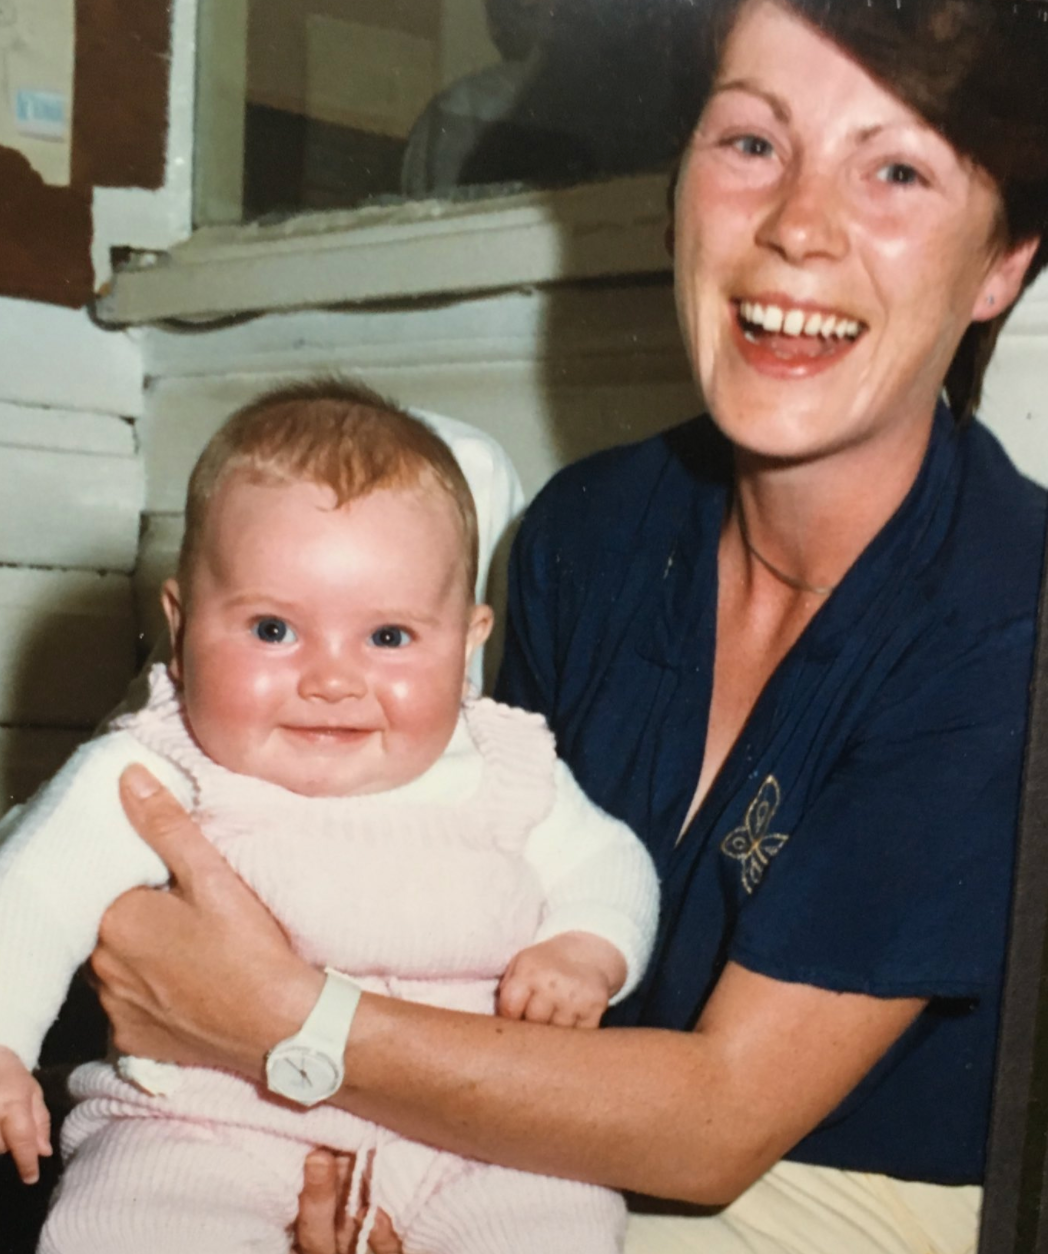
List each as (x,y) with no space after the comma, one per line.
(434,884)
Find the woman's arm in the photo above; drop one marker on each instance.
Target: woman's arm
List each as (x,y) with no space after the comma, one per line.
(203,974)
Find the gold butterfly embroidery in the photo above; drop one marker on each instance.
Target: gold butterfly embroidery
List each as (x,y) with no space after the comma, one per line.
(753,844)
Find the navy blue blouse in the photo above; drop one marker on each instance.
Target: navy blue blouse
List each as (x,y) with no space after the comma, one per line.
(860,835)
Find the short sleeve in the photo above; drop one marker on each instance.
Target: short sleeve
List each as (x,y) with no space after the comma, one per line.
(896,878)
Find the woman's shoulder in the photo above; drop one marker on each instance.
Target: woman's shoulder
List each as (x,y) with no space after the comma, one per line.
(614,489)
(996,548)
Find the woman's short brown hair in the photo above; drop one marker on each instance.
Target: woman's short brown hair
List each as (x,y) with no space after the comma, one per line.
(976,71)
(335,433)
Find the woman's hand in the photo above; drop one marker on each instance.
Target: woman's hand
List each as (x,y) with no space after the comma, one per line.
(200,973)
(323,1226)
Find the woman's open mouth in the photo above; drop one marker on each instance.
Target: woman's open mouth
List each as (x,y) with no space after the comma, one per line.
(794,340)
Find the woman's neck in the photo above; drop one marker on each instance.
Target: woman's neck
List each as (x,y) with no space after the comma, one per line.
(802,525)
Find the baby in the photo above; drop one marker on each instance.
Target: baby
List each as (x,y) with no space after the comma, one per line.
(427,844)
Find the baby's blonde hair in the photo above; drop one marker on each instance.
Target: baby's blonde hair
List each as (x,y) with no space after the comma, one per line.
(334,433)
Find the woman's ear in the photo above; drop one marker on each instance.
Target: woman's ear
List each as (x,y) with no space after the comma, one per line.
(1002,285)
(171,602)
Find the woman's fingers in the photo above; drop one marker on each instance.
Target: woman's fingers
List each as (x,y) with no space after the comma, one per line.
(324,1226)
(319,1205)
(202,974)
(167,828)
(383,1239)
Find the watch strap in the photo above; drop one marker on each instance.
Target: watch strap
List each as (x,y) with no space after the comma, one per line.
(326,1028)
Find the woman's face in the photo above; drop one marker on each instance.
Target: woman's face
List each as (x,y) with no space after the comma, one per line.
(830,249)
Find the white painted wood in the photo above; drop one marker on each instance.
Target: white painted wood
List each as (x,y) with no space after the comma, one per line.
(632,320)
(1015,401)
(31,426)
(71,489)
(551,375)
(28,756)
(67,646)
(419,248)
(69,509)
(52,356)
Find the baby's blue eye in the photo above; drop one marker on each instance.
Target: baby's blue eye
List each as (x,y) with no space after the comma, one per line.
(390,637)
(274,631)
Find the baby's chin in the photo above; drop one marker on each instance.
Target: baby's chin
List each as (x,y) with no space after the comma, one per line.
(331,783)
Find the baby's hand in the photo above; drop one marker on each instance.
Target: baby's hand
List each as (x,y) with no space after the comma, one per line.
(25,1125)
(567,980)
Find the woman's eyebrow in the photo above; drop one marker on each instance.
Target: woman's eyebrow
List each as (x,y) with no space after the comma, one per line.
(776,103)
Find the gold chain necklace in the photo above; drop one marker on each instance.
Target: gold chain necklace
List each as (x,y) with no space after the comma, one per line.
(791,581)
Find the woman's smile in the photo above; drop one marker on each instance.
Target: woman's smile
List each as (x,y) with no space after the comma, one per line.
(786,338)
(831,251)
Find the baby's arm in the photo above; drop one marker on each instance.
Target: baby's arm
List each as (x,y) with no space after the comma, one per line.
(567,980)
(25,1125)
(64,857)
(602,902)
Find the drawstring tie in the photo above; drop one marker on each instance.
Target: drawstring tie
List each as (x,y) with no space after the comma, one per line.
(365,1167)
(365,1164)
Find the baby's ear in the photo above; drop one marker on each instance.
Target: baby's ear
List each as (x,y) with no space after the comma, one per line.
(481,621)
(171,602)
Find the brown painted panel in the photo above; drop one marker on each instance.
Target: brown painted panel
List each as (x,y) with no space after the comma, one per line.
(121,92)
(45,236)
(119,140)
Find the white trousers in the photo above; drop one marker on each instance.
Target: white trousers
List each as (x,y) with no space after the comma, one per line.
(798,1209)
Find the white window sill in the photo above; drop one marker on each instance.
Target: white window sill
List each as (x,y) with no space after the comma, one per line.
(427,248)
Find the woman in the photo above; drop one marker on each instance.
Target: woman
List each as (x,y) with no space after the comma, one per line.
(791,650)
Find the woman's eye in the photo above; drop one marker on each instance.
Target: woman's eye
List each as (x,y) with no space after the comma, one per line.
(274,631)
(752,146)
(899,174)
(390,637)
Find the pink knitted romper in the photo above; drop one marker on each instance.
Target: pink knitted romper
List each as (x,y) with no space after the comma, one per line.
(423,902)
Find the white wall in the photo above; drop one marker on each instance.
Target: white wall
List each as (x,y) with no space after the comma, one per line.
(71,493)
(72,481)
(552,374)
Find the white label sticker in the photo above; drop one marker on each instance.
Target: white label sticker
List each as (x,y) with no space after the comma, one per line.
(42,114)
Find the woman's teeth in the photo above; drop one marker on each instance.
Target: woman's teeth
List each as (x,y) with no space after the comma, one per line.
(780,321)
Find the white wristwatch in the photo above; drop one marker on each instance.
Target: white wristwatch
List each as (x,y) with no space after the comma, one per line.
(308,1067)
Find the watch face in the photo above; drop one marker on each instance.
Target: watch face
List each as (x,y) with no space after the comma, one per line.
(301,1074)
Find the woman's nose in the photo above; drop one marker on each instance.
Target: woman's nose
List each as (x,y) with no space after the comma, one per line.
(805,219)
(331,675)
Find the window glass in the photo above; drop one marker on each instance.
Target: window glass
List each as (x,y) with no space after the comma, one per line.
(352,102)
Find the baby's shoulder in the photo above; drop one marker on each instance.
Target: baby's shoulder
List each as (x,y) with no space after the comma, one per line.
(92,773)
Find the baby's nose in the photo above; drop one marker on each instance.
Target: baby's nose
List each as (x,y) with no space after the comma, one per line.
(332,676)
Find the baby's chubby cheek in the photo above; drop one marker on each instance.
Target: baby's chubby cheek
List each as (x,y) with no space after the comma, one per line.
(229,708)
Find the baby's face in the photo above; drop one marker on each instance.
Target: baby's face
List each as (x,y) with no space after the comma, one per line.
(325,649)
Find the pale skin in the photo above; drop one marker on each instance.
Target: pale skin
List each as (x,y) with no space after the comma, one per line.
(810,185)
(325,649)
